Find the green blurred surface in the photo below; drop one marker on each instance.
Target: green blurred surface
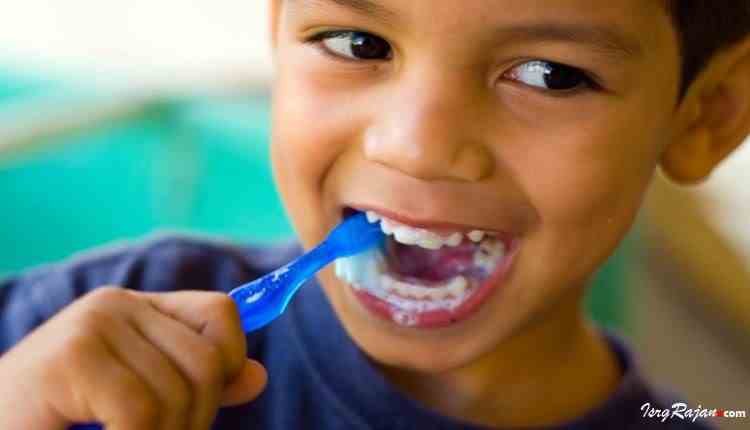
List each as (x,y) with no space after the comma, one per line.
(606,301)
(189,165)
(14,85)
(195,165)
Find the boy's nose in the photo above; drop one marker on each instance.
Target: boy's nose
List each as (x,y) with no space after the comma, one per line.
(429,137)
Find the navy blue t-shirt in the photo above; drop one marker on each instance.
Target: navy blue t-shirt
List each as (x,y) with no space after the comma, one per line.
(318,378)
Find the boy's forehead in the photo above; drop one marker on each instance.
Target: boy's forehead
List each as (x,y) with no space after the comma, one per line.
(614,26)
(399,10)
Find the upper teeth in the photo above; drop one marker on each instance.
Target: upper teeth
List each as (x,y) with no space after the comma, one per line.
(419,236)
(476,236)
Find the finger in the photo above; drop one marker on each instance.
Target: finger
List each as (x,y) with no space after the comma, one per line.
(198,359)
(246,386)
(86,378)
(214,316)
(156,369)
(114,394)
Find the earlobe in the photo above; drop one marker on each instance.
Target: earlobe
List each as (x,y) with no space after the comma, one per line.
(716,120)
(690,160)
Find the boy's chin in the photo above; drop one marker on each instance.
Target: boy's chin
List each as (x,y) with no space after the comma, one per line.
(392,351)
(426,359)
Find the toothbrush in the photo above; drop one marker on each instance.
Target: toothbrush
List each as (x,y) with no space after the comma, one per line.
(263,300)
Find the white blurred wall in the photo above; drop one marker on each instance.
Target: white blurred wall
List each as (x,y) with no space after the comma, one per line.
(151,41)
(726,200)
(197,43)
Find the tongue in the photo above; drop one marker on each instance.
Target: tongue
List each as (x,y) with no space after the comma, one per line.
(424,265)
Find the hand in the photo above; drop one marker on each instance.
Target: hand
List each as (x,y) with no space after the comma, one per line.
(130,360)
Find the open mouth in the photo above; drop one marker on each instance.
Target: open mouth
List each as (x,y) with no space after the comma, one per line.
(423,277)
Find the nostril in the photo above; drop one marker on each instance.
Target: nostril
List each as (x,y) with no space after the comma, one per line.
(473,163)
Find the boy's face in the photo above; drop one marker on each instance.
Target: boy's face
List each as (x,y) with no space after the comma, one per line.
(539,122)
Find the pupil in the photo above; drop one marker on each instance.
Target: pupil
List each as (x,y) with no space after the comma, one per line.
(559,77)
(369,47)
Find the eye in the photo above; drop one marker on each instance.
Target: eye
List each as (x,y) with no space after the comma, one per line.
(550,76)
(355,45)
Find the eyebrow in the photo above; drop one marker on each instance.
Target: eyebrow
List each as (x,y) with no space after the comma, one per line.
(364,7)
(605,39)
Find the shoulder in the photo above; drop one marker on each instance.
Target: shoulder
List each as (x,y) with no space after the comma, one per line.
(162,263)
(159,264)
(127,263)
(644,405)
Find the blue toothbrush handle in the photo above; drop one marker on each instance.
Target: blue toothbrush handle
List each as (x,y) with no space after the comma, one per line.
(263,300)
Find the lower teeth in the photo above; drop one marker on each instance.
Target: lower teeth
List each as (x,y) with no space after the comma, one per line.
(455,288)
(412,305)
(368,272)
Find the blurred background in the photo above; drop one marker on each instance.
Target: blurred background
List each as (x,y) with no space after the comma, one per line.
(119,119)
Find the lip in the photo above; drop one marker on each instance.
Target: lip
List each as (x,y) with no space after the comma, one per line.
(438,318)
(441,318)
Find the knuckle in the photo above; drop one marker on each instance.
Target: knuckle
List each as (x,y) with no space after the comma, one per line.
(222,312)
(91,321)
(100,308)
(107,295)
(221,306)
(73,346)
(83,334)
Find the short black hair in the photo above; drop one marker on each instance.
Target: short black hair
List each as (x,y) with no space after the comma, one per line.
(705,28)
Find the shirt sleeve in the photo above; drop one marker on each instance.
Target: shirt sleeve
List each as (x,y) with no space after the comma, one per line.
(160,265)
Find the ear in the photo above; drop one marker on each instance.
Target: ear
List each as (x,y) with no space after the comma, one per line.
(714,117)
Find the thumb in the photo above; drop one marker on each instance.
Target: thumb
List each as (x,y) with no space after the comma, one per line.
(246,386)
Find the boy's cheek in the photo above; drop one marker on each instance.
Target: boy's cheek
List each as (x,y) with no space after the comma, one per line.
(587,187)
(312,124)
(311,133)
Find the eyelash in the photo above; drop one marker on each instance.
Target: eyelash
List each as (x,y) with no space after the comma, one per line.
(590,83)
(319,38)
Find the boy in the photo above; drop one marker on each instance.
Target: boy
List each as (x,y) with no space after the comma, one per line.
(505,146)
